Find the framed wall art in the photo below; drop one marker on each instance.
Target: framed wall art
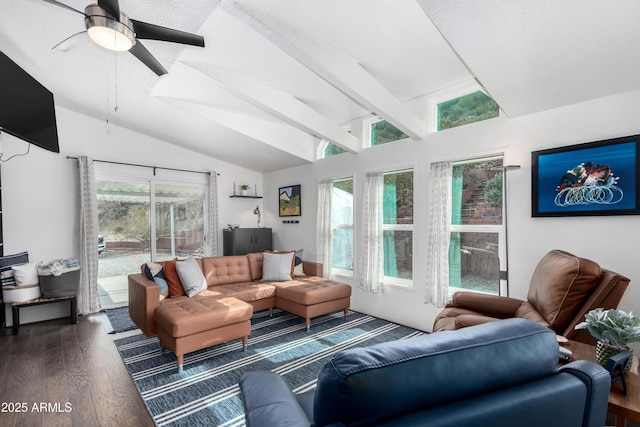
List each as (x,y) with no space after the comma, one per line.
(594,178)
(290,201)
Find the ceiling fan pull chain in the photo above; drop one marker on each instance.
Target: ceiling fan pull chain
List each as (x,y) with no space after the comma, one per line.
(115,72)
(107,93)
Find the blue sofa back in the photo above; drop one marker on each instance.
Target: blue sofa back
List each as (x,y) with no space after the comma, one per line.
(493,374)
(498,374)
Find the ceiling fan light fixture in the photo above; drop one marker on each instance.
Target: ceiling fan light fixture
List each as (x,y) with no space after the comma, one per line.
(108,32)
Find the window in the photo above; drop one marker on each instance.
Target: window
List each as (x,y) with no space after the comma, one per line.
(327,148)
(331,150)
(477,231)
(342,227)
(466,109)
(382,132)
(398,227)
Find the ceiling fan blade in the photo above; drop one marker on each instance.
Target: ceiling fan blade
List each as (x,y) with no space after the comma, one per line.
(148,31)
(64,6)
(72,42)
(112,7)
(141,52)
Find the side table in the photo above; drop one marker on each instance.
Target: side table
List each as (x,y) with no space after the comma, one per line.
(16,306)
(623,406)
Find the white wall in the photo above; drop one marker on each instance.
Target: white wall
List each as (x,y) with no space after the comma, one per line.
(610,241)
(40,190)
(40,194)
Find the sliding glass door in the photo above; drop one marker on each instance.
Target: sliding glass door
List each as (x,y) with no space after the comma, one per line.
(179,221)
(124,209)
(141,221)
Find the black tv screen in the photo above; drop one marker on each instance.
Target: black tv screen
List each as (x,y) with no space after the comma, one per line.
(26,107)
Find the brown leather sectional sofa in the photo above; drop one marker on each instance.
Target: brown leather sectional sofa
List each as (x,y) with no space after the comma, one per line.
(223,311)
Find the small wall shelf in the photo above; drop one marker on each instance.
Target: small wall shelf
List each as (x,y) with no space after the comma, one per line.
(245,197)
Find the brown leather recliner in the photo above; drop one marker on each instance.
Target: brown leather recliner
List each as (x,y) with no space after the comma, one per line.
(563,289)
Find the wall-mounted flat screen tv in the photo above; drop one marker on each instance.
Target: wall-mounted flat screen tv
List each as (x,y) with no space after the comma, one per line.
(26,107)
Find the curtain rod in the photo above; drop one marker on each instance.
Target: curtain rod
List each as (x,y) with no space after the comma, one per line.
(144,166)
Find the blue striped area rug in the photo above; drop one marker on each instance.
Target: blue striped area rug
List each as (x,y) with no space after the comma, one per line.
(207,392)
(120,320)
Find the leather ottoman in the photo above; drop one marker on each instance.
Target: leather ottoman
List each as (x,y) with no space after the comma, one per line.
(312,296)
(188,324)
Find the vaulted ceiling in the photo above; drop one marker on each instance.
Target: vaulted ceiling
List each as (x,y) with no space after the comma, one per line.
(277,76)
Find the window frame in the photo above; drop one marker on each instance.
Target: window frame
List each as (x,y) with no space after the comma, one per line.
(397,281)
(449,94)
(324,143)
(342,271)
(132,174)
(366,131)
(499,229)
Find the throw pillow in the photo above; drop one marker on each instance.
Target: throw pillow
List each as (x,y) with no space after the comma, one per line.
(26,274)
(6,262)
(173,280)
(191,276)
(154,271)
(292,259)
(298,271)
(277,267)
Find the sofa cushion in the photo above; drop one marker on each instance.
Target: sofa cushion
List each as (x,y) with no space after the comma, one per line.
(298,269)
(296,262)
(255,265)
(245,291)
(277,266)
(226,269)
(269,402)
(293,259)
(154,271)
(527,311)
(191,276)
(457,318)
(185,316)
(560,285)
(311,290)
(173,280)
(434,369)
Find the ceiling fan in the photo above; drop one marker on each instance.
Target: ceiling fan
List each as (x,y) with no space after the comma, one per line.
(114,30)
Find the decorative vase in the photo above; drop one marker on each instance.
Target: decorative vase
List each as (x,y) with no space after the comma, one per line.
(604,352)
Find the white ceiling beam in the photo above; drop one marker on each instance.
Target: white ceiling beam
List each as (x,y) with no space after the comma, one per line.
(200,97)
(283,106)
(284,138)
(339,70)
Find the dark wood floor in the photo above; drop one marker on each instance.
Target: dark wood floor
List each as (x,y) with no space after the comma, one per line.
(58,374)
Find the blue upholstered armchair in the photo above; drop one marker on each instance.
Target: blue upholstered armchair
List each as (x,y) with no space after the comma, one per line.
(496,374)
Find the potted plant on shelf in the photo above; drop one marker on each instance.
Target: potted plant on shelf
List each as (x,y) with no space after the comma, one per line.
(244,189)
(614,330)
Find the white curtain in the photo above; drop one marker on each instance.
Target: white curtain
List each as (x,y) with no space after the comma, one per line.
(371,256)
(324,234)
(88,300)
(212,244)
(438,236)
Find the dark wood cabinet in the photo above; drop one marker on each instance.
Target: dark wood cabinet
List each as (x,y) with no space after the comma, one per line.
(241,241)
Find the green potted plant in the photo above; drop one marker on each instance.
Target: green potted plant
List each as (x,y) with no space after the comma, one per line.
(244,188)
(614,330)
